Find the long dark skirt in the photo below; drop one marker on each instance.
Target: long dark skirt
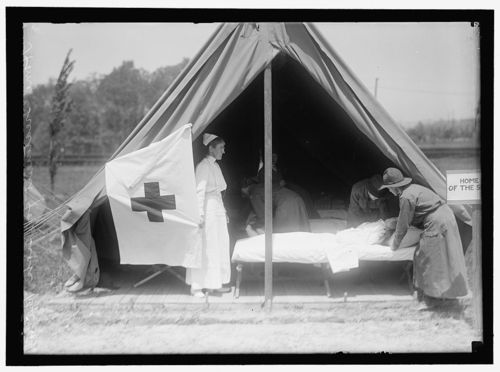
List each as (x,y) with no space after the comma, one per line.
(439,263)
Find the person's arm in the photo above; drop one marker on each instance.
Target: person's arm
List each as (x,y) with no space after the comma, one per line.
(384,208)
(388,207)
(201,175)
(406,212)
(354,213)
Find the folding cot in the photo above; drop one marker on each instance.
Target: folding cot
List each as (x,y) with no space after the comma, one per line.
(313,248)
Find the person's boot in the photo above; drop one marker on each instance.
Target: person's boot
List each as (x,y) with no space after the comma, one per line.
(429,303)
(75,287)
(74,278)
(197,293)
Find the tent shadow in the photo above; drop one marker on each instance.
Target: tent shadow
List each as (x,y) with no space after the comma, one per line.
(374,279)
(133,279)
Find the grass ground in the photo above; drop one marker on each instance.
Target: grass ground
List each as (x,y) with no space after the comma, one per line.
(68,181)
(45,269)
(352,327)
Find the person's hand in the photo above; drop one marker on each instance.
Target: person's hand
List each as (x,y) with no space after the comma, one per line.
(391,223)
(393,246)
(251,232)
(260,231)
(201,224)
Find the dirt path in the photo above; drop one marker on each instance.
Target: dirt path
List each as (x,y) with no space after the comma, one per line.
(356,327)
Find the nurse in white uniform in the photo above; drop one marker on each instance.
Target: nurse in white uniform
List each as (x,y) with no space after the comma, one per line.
(215,267)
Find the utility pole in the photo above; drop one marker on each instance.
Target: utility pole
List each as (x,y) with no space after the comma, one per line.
(376,87)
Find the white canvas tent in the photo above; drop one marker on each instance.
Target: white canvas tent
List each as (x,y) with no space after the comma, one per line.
(318,105)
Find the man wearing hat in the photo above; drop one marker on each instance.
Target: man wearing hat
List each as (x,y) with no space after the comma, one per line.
(369,204)
(439,263)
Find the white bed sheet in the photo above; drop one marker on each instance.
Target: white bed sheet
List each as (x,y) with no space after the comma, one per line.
(327,225)
(311,248)
(295,247)
(377,252)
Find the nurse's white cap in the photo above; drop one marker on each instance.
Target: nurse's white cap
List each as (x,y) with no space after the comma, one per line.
(207,138)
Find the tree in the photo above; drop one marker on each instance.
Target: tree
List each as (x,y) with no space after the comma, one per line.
(104,108)
(417,133)
(161,79)
(120,96)
(83,125)
(37,117)
(61,106)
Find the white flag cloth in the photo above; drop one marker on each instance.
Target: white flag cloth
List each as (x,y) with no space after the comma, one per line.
(152,194)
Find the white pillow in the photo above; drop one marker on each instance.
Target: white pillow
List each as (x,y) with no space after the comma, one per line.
(375,232)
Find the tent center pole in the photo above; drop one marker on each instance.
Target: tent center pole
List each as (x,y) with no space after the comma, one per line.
(268,195)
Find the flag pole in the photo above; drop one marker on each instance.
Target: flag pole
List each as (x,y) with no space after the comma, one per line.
(268,151)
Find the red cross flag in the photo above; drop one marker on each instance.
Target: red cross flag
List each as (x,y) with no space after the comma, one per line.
(152,194)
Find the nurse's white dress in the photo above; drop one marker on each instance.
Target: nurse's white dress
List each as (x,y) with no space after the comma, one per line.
(215,261)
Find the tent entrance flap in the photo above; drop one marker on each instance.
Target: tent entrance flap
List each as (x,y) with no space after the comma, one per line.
(318,145)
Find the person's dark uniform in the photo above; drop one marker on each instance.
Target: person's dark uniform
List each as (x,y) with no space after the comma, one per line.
(289,209)
(363,209)
(439,263)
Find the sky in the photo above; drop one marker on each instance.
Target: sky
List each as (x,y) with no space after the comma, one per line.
(425,71)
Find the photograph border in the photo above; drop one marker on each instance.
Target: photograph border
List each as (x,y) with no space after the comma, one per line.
(481,353)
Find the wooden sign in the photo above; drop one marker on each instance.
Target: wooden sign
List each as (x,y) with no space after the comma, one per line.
(463,187)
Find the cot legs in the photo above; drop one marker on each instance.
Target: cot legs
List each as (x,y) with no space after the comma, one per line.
(239,269)
(409,275)
(326,277)
(324,267)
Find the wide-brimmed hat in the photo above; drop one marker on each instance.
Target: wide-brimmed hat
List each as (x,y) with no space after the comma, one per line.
(208,137)
(394,178)
(373,185)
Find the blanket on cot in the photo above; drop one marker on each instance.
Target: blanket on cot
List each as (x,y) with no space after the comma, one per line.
(341,250)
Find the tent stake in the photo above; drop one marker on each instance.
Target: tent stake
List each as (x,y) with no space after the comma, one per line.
(268,201)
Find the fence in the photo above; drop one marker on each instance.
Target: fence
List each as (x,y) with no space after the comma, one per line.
(451,150)
(431,151)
